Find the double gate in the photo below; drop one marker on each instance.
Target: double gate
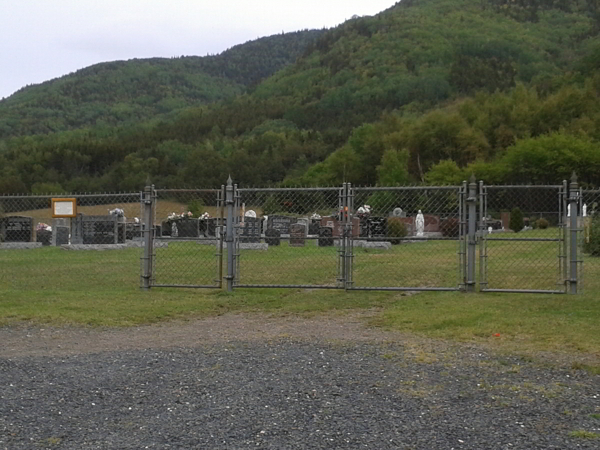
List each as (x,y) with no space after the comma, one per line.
(322,238)
(367,238)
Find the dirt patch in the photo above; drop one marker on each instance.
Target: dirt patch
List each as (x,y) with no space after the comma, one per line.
(53,341)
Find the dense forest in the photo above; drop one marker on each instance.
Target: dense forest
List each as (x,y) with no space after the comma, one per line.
(428,91)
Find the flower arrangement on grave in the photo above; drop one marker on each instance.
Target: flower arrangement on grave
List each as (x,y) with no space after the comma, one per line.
(117,212)
(43,227)
(173,217)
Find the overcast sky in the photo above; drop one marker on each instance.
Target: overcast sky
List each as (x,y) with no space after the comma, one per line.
(45,39)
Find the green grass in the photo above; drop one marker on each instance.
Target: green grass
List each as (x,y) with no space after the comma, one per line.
(57,287)
(582,434)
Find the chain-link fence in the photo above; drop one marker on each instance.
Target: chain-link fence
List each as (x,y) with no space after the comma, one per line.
(283,238)
(523,239)
(39,251)
(530,238)
(590,239)
(188,238)
(407,238)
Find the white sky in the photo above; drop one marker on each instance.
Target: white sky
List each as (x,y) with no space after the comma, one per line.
(45,39)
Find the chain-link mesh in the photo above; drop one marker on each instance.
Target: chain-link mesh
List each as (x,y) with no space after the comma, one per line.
(188,243)
(525,246)
(590,240)
(408,237)
(288,237)
(33,243)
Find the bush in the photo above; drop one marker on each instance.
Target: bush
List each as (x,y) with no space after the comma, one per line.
(541,223)
(196,207)
(516,220)
(450,227)
(591,241)
(396,229)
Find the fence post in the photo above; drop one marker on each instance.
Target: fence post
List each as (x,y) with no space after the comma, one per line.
(573,219)
(472,233)
(148,237)
(229,194)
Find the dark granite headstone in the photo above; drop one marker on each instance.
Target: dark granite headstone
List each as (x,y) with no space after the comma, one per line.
(297,235)
(44,236)
(165,228)
(99,229)
(133,231)
(187,228)
(314,225)
(272,236)
(17,229)
(363,227)
(251,230)
(62,235)
(325,237)
(378,227)
(281,223)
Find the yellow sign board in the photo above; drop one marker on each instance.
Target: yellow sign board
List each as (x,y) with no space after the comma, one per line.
(64,207)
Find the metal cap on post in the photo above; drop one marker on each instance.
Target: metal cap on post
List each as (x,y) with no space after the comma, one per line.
(229,201)
(573,223)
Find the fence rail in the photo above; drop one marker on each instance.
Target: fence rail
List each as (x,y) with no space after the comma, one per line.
(430,238)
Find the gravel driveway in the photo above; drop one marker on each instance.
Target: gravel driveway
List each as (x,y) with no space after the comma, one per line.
(251,381)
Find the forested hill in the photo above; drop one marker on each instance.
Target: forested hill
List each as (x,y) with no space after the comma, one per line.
(124,92)
(426,91)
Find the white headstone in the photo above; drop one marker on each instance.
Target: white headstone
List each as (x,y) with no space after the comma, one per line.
(250,213)
(397,212)
(584,210)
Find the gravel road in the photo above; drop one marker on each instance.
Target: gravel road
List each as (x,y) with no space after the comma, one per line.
(241,382)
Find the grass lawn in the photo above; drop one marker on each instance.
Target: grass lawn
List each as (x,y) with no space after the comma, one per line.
(57,287)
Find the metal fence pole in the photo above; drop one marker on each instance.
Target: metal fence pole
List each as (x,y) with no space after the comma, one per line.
(229,200)
(148,237)
(472,233)
(574,219)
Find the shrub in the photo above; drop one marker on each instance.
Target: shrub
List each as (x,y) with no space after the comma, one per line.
(450,227)
(396,229)
(591,243)
(196,207)
(516,220)
(541,223)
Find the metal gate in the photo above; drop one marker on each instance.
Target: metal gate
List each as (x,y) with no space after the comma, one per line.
(406,238)
(187,238)
(528,254)
(289,237)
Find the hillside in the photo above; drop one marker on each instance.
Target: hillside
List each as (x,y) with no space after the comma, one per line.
(426,91)
(124,92)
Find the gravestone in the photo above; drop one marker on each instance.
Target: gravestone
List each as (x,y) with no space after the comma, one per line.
(187,228)
(338,226)
(272,237)
(44,236)
(16,229)
(297,235)
(61,236)
(325,237)
(133,231)
(281,223)
(96,230)
(313,226)
(251,230)
(378,227)
(60,231)
(165,228)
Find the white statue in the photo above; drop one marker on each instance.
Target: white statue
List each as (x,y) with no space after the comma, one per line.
(584,210)
(420,224)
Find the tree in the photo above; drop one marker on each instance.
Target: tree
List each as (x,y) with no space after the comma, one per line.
(516,220)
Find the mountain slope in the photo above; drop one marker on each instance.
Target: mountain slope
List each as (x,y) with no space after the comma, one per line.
(427,90)
(122,92)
